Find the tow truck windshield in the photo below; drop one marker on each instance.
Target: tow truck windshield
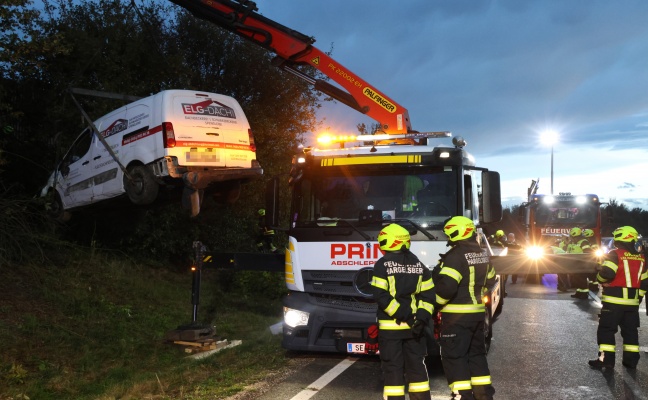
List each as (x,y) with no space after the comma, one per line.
(424,198)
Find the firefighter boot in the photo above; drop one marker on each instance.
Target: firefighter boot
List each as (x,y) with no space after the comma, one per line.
(483,392)
(462,395)
(605,360)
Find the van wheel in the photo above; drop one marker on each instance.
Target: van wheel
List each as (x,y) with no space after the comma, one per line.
(142,189)
(54,208)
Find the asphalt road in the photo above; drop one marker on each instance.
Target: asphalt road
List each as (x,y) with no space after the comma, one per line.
(541,345)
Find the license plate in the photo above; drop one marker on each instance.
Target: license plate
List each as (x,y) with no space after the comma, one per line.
(356,348)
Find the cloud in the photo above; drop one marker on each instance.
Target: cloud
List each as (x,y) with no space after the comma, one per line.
(498,73)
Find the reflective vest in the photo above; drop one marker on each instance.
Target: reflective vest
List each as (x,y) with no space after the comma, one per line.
(624,278)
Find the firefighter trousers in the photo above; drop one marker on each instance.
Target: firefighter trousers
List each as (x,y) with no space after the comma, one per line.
(611,318)
(404,360)
(463,354)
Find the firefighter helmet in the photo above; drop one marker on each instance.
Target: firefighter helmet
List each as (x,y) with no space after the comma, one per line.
(459,228)
(261,212)
(576,231)
(588,233)
(393,237)
(499,234)
(625,234)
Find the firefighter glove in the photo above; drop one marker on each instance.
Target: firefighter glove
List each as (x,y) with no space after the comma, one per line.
(417,329)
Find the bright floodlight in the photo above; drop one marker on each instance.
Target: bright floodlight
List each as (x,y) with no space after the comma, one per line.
(549,137)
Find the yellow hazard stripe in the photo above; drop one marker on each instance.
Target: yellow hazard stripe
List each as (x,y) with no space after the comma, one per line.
(400,159)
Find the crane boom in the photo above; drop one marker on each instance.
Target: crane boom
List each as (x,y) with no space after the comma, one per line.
(293,49)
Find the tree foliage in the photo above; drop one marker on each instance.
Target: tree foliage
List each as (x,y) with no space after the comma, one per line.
(136,48)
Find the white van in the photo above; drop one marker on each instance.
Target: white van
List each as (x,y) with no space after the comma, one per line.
(176,137)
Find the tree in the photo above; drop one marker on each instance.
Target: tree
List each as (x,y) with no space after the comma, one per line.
(140,49)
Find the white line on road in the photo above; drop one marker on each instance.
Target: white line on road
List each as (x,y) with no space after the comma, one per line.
(325,379)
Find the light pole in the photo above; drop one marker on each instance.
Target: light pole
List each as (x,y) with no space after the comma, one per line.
(550,137)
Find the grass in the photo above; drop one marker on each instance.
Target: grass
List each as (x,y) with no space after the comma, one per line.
(92,326)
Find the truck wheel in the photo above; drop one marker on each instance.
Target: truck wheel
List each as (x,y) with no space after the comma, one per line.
(488,329)
(498,310)
(142,189)
(54,208)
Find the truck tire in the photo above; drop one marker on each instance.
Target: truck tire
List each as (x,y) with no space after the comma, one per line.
(54,207)
(488,329)
(142,188)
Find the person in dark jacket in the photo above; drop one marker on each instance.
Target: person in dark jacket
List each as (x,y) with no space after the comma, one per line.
(624,278)
(403,289)
(465,274)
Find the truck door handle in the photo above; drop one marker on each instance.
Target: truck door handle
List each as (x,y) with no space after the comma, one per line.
(85,162)
(96,158)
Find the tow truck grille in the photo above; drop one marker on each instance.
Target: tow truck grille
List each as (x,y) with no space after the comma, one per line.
(347,303)
(335,289)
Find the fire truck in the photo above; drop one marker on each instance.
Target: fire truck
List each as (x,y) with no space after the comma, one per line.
(344,191)
(548,220)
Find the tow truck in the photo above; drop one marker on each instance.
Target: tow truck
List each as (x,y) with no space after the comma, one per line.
(344,192)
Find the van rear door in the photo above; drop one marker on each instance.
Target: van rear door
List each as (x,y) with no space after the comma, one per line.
(210,130)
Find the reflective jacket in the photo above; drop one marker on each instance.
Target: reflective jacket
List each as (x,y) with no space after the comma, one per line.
(465,275)
(402,287)
(579,247)
(624,274)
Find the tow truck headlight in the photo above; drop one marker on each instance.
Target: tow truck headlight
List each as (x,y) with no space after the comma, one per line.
(294,318)
(534,252)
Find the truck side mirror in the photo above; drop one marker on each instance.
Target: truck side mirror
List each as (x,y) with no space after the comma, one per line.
(491,197)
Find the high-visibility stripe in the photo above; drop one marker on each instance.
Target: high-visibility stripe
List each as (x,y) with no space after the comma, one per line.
(471,284)
(380,283)
(620,301)
(391,325)
(607,347)
(481,380)
(392,307)
(626,270)
(392,285)
(451,272)
(395,159)
(441,300)
(419,386)
(611,265)
(429,307)
(393,391)
(427,285)
(631,348)
(460,385)
(463,308)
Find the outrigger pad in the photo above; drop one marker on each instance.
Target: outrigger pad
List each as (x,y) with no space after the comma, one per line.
(191,333)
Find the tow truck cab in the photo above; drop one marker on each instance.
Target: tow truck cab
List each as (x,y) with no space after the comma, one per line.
(341,199)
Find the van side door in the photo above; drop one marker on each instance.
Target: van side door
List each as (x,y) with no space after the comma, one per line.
(75,172)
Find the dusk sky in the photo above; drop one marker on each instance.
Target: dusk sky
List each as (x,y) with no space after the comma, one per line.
(498,73)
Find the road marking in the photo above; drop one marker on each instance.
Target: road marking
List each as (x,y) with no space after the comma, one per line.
(325,379)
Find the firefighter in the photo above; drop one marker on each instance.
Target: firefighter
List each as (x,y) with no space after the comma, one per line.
(498,239)
(403,289)
(594,247)
(465,274)
(579,244)
(624,278)
(266,235)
